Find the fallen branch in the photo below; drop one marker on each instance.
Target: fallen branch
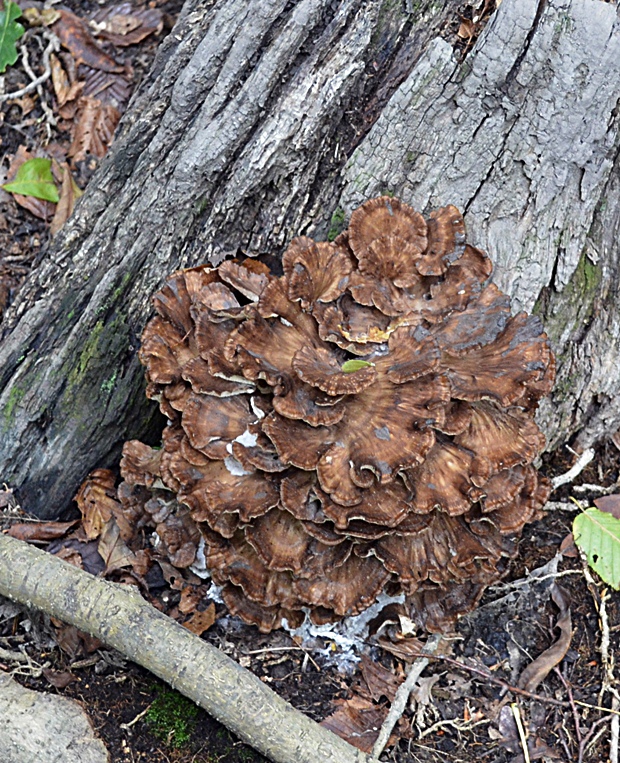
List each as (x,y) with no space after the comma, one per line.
(402,695)
(122,619)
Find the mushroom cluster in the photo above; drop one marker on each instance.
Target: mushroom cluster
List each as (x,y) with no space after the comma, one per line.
(361,423)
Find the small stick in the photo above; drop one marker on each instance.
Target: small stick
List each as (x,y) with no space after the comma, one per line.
(517,715)
(36,82)
(581,463)
(614,731)
(138,717)
(402,695)
(509,687)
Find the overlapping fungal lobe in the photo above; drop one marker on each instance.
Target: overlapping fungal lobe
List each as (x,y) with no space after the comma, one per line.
(363,420)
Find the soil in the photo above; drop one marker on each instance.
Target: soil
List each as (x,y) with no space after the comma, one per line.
(463,715)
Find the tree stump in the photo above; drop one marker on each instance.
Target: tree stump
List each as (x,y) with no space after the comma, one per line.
(262,120)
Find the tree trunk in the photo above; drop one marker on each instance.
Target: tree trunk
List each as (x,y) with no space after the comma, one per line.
(264,119)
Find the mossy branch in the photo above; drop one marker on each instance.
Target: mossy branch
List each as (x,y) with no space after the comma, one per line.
(119,617)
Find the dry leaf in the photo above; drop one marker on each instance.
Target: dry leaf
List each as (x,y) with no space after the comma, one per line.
(124,25)
(568,547)
(73,33)
(64,89)
(380,681)
(59,679)
(537,671)
(200,622)
(191,597)
(96,500)
(69,194)
(466,29)
(113,89)
(358,722)
(113,549)
(95,128)
(407,649)
(172,575)
(71,556)
(610,504)
(40,531)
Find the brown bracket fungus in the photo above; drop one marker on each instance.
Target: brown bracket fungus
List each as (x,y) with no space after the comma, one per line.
(362,423)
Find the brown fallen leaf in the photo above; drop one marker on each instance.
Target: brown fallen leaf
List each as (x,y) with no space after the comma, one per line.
(357,721)
(467,29)
(113,89)
(95,128)
(610,504)
(113,549)
(64,89)
(539,669)
(71,556)
(69,194)
(73,33)
(96,500)
(191,597)
(72,641)
(124,25)
(380,681)
(40,531)
(58,678)
(568,547)
(407,649)
(200,622)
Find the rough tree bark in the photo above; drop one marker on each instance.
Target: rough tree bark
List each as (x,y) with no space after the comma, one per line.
(263,119)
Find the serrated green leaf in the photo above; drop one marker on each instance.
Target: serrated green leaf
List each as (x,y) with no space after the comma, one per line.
(34,178)
(351,366)
(597,534)
(10,32)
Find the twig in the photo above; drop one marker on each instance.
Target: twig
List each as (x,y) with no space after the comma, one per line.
(35,84)
(588,487)
(464,726)
(138,717)
(571,699)
(614,731)
(509,687)
(285,649)
(581,463)
(517,716)
(12,656)
(402,695)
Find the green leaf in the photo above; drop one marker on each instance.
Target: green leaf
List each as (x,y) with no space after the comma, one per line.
(34,178)
(351,366)
(10,32)
(598,535)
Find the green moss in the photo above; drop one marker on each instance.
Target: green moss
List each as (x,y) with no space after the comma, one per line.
(114,298)
(77,374)
(565,314)
(108,385)
(336,225)
(172,717)
(16,395)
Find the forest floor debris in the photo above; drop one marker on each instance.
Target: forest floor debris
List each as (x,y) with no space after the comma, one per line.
(462,705)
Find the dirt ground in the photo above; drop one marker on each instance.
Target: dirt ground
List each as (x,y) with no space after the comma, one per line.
(460,710)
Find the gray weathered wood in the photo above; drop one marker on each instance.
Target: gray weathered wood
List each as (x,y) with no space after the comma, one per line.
(121,618)
(244,135)
(524,137)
